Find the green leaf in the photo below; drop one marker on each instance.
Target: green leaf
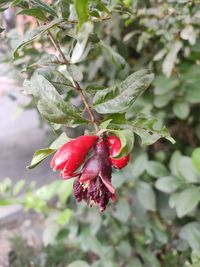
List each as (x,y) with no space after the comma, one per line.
(186,170)
(105,124)
(82,48)
(33,12)
(42,154)
(146,128)
(44,7)
(146,196)
(139,165)
(61,140)
(64,217)
(18,187)
(156,169)
(65,190)
(170,59)
(173,164)
(187,201)
(191,80)
(49,102)
(50,232)
(39,156)
(6,202)
(196,159)
(1,30)
(81,7)
(58,79)
(120,97)
(161,101)
(181,110)
(191,233)
(168,184)
(164,85)
(122,211)
(78,264)
(117,59)
(30,36)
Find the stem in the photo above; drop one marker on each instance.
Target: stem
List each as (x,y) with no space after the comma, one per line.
(75,83)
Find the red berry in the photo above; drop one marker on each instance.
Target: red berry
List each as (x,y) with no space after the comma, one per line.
(114,148)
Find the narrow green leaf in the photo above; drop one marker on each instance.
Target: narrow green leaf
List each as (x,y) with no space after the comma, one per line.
(39,156)
(18,187)
(120,97)
(30,36)
(44,7)
(33,12)
(81,7)
(82,47)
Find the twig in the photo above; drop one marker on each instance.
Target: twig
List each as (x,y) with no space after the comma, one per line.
(75,83)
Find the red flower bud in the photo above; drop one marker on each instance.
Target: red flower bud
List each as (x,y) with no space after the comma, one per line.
(72,154)
(114,148)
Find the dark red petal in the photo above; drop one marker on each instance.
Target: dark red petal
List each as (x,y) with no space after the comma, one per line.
(108,185)
(91,169)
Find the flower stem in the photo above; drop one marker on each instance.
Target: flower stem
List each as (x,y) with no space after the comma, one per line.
(75,83)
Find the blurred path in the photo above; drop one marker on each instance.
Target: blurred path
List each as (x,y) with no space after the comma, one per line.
(19,138)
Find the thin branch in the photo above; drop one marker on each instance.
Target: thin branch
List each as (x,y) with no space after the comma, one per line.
(75,83)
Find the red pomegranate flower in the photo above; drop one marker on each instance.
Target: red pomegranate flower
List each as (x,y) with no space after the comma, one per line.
(94,183)
(72,154)
(114,144)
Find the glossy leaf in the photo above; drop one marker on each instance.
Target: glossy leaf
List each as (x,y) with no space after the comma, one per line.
(82,48)
(81,7)
(44,7)
(146,128)
(39,156)
(120,97)
(33,12)
(49,103)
